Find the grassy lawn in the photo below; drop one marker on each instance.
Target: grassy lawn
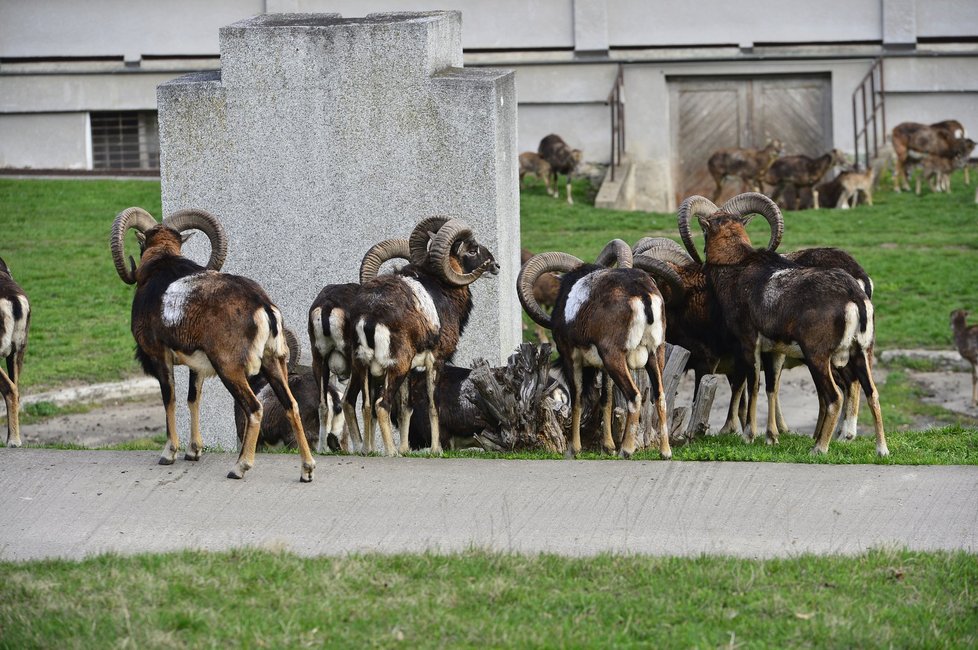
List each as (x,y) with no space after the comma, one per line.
(56,242)
(252,598)
(921,251)
(948,445)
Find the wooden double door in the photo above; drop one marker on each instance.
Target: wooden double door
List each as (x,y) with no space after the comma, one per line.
(710,113)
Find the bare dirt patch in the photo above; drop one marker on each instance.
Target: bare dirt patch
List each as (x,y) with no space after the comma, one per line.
(119,421)
(949,390)
(108,423)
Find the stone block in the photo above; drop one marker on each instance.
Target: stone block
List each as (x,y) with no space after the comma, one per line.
(322,135)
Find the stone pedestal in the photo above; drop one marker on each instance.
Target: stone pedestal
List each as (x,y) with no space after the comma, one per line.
(322,135)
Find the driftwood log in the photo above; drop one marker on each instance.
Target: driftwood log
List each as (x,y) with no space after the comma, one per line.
(526,403)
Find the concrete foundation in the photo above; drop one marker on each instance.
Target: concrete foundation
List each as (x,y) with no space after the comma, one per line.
(320,136)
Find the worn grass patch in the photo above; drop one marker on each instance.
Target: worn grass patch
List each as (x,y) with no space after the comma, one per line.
(252,598)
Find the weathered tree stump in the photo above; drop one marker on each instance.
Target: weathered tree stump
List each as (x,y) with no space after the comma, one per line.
(527,403)
(521,402)
(699,421)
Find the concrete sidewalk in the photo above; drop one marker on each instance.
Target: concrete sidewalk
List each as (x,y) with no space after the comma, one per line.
(78,503)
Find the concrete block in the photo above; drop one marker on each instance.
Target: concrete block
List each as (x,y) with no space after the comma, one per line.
(322,135)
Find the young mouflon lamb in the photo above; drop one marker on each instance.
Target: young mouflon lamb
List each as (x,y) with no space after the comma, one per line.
(966,341)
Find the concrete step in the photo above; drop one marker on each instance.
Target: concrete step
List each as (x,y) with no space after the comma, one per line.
(618,194)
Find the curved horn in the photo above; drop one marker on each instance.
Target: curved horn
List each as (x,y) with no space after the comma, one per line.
(616,251)
(673,255)
(441,253)
(661,273)
(129,218)
(384,251)
(294,348)
(533,269)
(194,219)
(694,206)
(418,241)
(757,203)
(662,248)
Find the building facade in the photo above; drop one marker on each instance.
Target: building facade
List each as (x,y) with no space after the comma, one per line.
(78,80)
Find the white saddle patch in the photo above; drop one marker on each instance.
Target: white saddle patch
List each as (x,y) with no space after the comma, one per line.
(579,294)
(424,303)
(175,298)
(774,288)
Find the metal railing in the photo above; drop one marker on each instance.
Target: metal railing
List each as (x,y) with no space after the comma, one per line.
(865,125)
(616,100)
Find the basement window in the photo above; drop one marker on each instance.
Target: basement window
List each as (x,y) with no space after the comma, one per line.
(125,140)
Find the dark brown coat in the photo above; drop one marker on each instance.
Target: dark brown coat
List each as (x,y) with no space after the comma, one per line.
(15,322)
(800,172)
(747,164)
(562,160)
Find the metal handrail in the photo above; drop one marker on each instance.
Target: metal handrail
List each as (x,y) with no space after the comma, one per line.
(616,100)
(874,81)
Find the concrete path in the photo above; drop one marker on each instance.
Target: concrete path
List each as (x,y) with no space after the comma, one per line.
(78,503)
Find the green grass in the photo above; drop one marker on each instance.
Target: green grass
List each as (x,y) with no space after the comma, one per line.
(55,240)
(922,252)
(948,445)
(252,598)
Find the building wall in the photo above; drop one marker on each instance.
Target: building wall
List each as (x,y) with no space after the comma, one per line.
(45,141)
(56,92)
(116,28)
(111,55)
(638,23)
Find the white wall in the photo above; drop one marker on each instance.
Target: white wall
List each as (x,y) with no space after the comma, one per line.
(80,92)
(499,24)
(564,96)
(129,28)
(54,141)
(714,22)
(947,18)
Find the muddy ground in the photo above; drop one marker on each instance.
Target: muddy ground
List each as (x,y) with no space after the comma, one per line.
(118,421)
